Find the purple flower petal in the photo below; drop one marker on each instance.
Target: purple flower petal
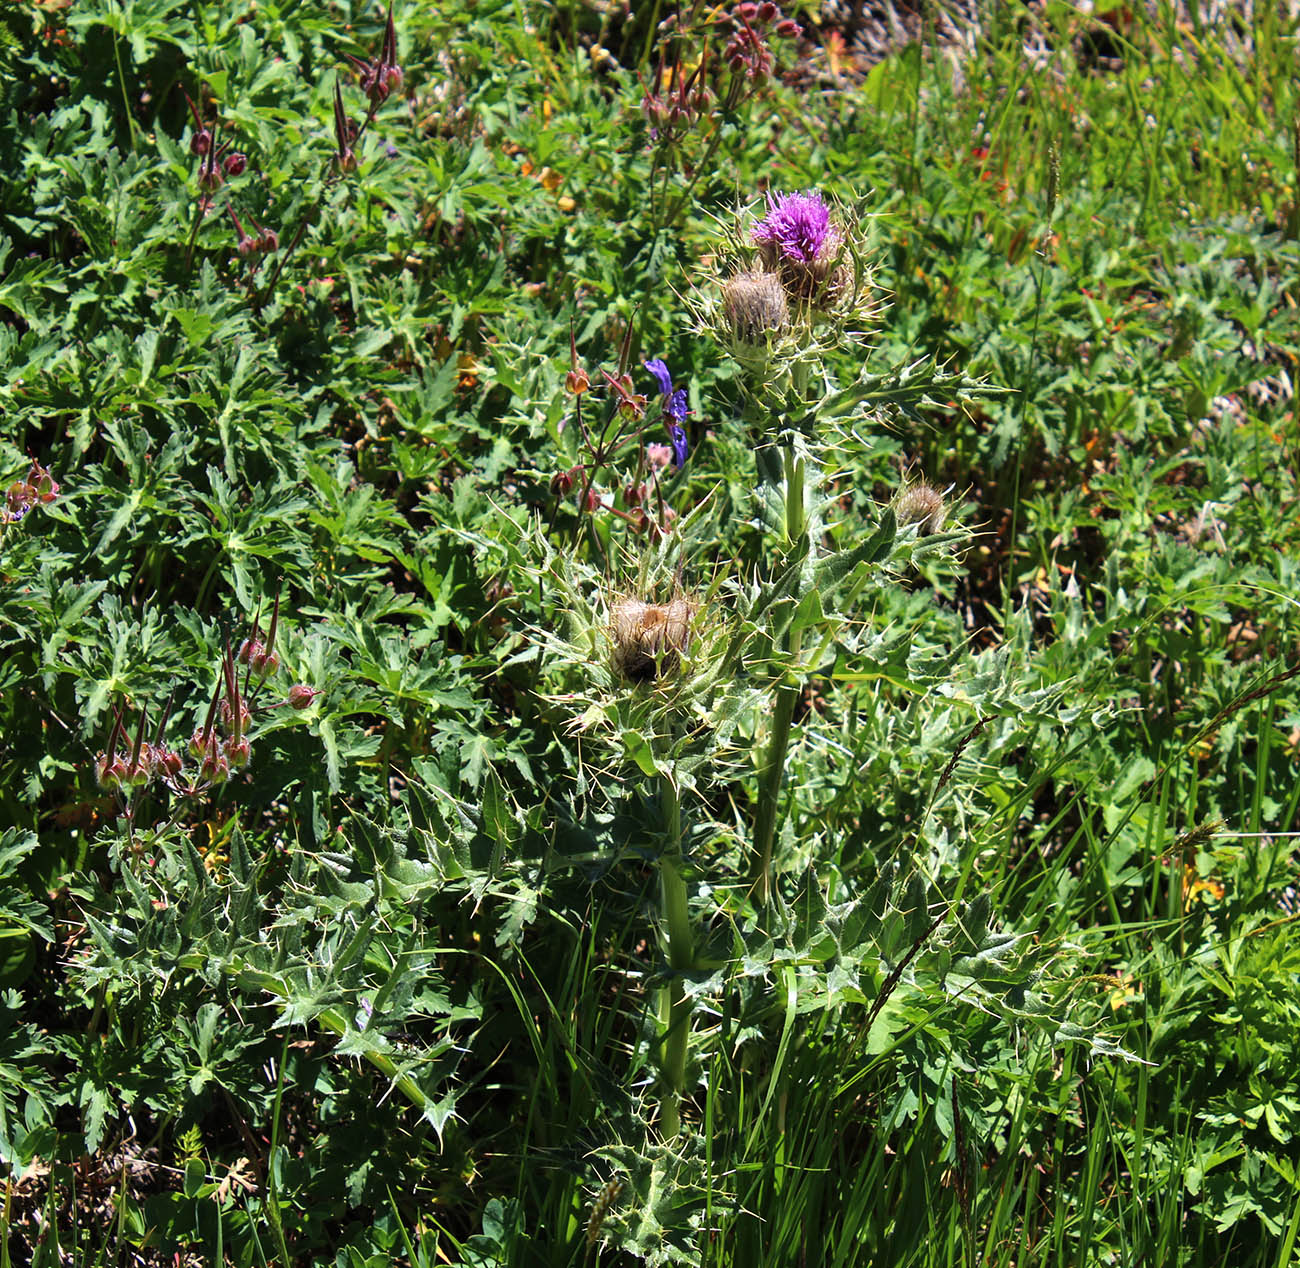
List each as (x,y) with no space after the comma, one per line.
(660,371)
(798,223)
(680,446)
(675,406)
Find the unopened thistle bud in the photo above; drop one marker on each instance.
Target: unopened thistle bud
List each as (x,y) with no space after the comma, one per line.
(755,305)
(923,505)
(649,638)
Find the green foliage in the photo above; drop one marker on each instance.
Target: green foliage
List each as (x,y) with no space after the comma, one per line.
(897,896)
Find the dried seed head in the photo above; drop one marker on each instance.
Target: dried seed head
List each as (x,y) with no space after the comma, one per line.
(923,505)
(649,638)
(755,305)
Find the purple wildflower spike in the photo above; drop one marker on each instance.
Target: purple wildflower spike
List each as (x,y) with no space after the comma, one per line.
(679,443)
(674,410)
(798,225)
(662,377)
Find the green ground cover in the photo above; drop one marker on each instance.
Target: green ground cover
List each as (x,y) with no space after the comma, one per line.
(469,798)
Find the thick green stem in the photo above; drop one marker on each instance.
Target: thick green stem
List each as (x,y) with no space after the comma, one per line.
(772,775)
(674,1003)
(771,780)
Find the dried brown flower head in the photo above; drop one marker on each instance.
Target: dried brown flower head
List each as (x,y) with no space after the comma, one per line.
(649,638)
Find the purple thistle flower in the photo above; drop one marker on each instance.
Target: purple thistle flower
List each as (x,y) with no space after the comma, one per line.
(674,409)
(798,224)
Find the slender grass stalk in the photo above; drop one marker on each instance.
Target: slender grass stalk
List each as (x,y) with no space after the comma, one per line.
(272,1176)
(675,1004)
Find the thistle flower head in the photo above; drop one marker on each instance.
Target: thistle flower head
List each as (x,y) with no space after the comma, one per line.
(755,305)
(798,226)
(649,638)
(923,505)
(799,241)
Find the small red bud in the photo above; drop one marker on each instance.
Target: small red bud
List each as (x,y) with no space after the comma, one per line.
(249,648)
(767,11)
(788,29)
(235,164)
(634,495)
(201,142)
(562,483)
(269,240)
(592,502)
(301,695)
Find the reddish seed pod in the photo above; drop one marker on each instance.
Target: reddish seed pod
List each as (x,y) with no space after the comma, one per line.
(265,663)
(269,240)
(576,382)
(238,753)
(747,12)
(249,648)
(198,744)
(788,29)
(168,761)
(634,495)
(105,773)
(235,164)
(592,503)
(562,483)
(767,11)
(228,716)
(301,695)
(200,142)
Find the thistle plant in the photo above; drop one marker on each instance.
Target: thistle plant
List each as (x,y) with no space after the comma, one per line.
(649,674)
(794,291)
